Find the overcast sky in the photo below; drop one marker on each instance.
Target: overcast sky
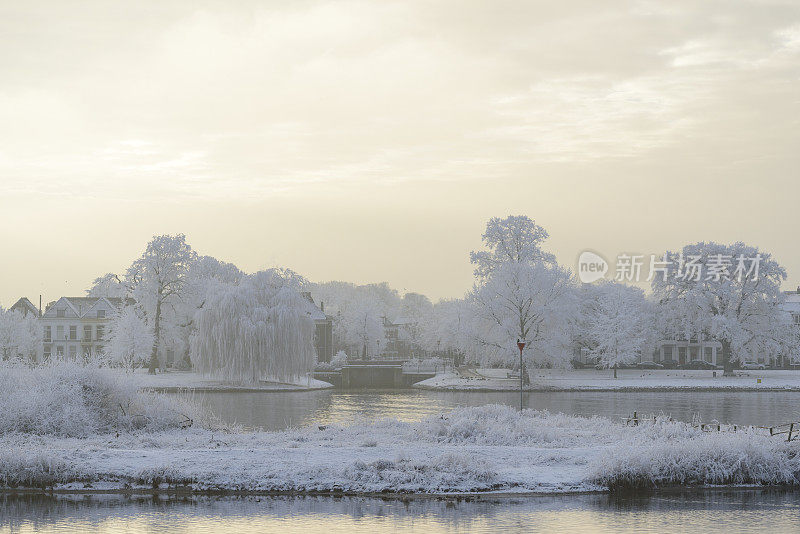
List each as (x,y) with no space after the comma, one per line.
(371,141)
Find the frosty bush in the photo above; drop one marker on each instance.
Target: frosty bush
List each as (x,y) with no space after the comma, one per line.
(70,400)
(704,459)
(32,469)
(339,359)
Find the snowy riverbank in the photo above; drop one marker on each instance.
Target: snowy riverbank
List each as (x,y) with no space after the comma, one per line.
(485,449)
(70,428)
(627,380)
(173,381)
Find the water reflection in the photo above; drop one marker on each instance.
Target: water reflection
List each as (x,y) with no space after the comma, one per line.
(275,411)
(701,511)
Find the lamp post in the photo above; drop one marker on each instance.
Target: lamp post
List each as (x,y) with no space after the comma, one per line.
(521,345)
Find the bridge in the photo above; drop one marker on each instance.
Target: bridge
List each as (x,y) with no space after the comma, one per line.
(375,374)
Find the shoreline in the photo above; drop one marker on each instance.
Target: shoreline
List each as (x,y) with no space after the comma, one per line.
(489,380)
(187,491)
(600,389)
(231,389)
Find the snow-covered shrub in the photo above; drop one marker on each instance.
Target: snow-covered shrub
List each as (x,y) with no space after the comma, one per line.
(447,472)
(703,459)
(339,359)
(70,400)
(32,469)
(498,424)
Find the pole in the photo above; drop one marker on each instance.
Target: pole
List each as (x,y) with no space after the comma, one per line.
(520,345)
(520,379)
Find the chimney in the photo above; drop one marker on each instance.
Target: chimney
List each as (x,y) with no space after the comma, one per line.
(322,302)
(40,305)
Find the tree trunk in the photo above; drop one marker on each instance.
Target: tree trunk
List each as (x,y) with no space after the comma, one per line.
(726,359)
(156,338)
(615,370)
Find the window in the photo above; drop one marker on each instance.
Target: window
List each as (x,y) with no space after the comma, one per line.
(87,332)
(101,314)
(61,312)
(60,332)
(60,351)
(48,333)
(73,352)
(47,351)
(100,331)
(73,333)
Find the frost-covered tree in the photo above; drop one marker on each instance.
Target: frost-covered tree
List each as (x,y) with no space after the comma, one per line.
(158,279)
(448,328)
(415,311)
(520,293)
(20,335)
(729,293)
(358,314)
(130,340)
(619,324)
(256,329)
(515,239)
(535,303)
(108,285)
(205,274)
(361,326)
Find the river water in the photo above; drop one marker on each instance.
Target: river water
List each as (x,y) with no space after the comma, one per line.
(740,511)
(276,411)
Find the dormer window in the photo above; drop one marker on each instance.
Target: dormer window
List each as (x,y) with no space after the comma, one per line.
(101,314)
(61,312)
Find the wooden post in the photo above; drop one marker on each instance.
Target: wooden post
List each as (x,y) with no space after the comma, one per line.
(635,420)
(791,428)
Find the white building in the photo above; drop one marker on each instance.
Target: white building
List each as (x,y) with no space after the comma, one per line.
(76,326)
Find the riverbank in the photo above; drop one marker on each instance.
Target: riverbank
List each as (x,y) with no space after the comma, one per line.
(177,381)
(70,428)
(627,380)
(469,450)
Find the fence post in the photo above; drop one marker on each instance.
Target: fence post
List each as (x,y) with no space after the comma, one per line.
(791,428)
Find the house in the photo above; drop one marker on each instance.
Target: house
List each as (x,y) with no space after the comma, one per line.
(323,333)
(25,307)
(73,326)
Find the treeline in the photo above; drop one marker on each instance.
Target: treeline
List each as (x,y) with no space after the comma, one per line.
(210,315)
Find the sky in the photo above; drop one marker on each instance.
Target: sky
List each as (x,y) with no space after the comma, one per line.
(371,141)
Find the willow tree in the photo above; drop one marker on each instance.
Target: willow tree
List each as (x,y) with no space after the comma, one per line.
(259,328)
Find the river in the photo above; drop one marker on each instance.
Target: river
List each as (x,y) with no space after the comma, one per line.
(276,411)
(741,511)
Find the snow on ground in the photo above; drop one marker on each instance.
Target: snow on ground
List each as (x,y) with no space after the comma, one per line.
(489,448)
(628,379)
(181,380)
(75,428)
